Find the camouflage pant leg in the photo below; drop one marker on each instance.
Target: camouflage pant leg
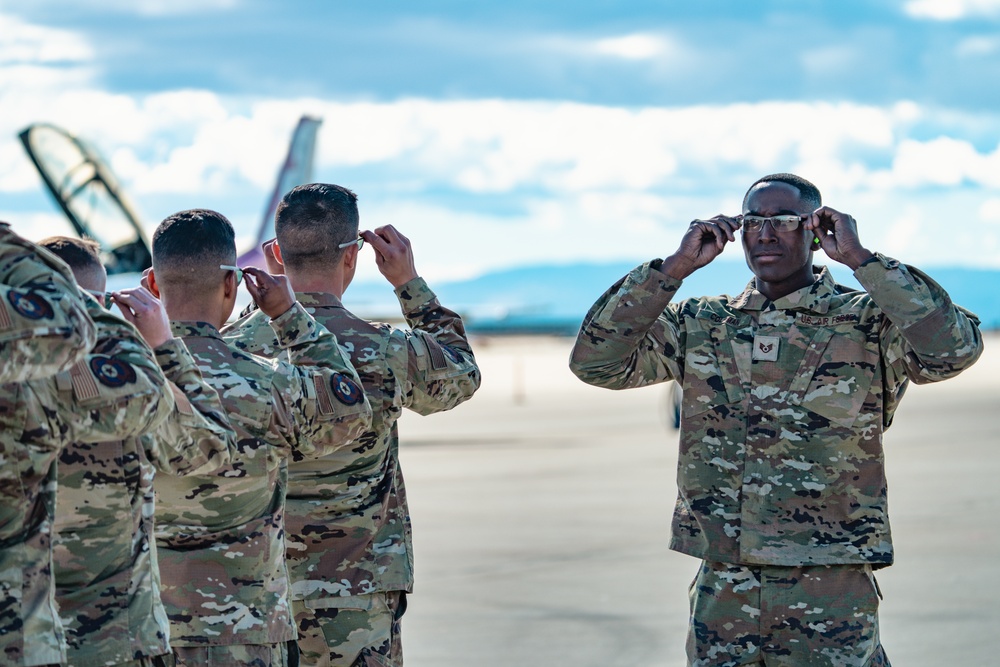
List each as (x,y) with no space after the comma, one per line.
(366,634)
(235,655)
(785,616)
(156,661)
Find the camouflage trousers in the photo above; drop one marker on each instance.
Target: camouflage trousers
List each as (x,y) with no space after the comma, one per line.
(284,654)
(156,661)
(365,634)
(785,616)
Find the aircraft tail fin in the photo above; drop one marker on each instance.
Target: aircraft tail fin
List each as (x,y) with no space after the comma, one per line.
(295,170)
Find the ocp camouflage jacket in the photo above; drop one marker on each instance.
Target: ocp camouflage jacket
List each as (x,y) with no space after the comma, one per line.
(785,402)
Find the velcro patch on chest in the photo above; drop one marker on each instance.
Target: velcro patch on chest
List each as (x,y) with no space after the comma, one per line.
(765,348)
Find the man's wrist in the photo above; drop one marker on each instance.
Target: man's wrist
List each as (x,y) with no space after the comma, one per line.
(399,282)
(856,259)
(280,311)
(676,267)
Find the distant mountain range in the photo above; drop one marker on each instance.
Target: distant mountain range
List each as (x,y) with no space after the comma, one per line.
(554,298)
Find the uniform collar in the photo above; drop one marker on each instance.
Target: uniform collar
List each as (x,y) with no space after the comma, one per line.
(318,300)
(190,329)
(814,299)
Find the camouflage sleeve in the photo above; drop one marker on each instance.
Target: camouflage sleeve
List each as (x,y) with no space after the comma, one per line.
(632,336)
(322,406)
(441,370)
(44,326)
(924,337)
(117,391)
(252,335)
(196,438)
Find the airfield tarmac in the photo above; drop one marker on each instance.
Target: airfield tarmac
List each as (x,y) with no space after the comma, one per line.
(541,513)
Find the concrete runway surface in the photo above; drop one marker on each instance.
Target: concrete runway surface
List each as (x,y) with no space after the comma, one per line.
(541,512)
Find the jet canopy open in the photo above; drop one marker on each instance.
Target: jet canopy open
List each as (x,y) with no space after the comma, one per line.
(85,189)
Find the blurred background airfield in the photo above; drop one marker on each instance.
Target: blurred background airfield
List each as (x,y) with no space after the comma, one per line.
(541,513)
(534,152)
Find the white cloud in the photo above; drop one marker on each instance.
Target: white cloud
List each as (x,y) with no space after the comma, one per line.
(499,146)
(25,43)
(450,245)
(951,10)
(989,212)
(196,141)
(153,7)
(37,226)
(972,47)
(588,181)
(637,46)
(827,60)
(943,161)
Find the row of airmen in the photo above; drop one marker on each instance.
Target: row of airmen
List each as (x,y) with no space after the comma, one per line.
(176,490)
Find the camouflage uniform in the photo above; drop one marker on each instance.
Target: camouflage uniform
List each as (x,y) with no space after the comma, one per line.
(116,391)
(44,327)
(350,552)
(107,581)
(220,537)
(784,403)
(744,614)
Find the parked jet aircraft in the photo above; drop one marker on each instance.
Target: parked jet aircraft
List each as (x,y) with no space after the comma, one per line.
(88,193)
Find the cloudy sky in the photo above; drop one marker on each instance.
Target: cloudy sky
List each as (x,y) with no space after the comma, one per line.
(505,134)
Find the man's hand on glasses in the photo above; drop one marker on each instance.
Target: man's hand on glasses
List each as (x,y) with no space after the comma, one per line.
(393,254)
(703,241)
(141,308)
(838,236)
(272,294)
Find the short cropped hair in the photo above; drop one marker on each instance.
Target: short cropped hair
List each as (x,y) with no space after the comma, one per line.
(82,256)
(810,193)
(312,221)
(189,246)
(76,252)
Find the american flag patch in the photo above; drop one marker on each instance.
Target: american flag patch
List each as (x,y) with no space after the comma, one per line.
(84,386)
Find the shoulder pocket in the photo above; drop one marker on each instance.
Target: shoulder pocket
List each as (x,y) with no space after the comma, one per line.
(435,361)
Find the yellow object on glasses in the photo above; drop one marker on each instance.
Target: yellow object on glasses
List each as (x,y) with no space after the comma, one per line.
(779,223)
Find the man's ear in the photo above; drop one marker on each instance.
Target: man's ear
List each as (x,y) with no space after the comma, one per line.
(277,253)
(351,257)
(229,284)
(814,246)
(153,287)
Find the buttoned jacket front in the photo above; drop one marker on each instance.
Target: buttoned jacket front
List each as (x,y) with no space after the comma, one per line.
(785,402)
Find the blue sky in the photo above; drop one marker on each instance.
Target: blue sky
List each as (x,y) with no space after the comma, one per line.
(504,134)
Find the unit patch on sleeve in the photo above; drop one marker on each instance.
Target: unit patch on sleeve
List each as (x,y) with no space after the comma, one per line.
(111,372)
(345,389)
(30,305)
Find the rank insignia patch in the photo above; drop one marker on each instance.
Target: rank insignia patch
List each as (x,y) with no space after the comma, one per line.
(30,305)
(345,389)
(112,372)
(765,348)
